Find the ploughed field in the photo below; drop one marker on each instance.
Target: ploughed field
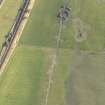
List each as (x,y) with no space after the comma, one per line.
(78,77)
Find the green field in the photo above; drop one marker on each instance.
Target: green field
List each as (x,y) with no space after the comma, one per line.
(8,14)
(78,78)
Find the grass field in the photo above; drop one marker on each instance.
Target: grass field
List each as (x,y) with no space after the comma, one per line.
(79,76)
(43,31)
(8,13)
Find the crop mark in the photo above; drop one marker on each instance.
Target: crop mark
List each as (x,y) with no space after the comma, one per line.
(81,30)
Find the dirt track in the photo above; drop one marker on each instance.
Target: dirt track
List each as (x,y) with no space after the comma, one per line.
(54,63)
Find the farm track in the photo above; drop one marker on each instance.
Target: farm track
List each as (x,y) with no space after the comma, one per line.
(52,68)
(16,32)
(54,63)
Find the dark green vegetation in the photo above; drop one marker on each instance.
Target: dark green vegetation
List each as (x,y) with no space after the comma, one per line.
(25,79)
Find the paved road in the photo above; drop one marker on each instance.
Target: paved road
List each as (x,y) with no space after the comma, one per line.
(1,3)
(52,68)
(13,32)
